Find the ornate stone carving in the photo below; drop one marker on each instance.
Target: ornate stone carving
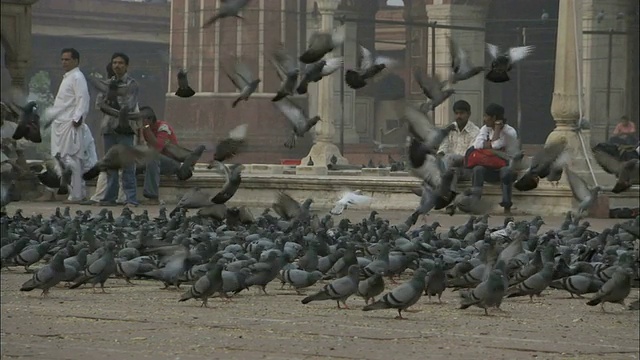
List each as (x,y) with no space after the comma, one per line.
(564,108)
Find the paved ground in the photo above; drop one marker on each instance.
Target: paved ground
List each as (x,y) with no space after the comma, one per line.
(144,322)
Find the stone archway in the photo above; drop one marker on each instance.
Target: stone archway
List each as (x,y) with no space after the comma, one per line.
(15,33)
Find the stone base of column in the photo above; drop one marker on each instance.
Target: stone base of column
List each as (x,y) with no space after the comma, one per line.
(578,162)
(321,153)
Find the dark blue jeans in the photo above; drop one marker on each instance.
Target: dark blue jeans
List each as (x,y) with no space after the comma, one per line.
(128,173)
(161,166)
(503,176)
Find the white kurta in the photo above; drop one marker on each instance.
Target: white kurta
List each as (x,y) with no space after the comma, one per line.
(71,105)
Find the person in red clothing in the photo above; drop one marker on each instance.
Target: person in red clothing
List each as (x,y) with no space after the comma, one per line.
(173,160)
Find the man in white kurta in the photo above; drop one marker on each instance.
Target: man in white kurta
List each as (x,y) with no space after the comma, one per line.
(71,107)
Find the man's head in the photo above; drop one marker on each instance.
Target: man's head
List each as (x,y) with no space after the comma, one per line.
(70,59)
(492,114)
(624,119)
(119,63)
(148,115)
(462,111)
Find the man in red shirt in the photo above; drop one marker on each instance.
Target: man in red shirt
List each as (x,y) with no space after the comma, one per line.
(161,136)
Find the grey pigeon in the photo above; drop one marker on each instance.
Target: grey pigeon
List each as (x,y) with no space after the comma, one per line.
(290,209)
(29,123)
(100,270)
(421,126)
(228,8)
(234,281)
(615,290)
(299,120)
(371,287)
(321,43)
(586,197)
(436,282)
(535,284)
(487,294)
(184,90)
(120,156)
(231,184)
(626,172)
(206,286)
(244,81)
(432,88)
(339,290)
(461,66)
(547,163)
(10,250)
(579,284)
(288,71)
(545,15)
(231,145)
(318,70)
(195,198)
(300,279)
(262,273)
(402,296)
(600,16)
(31,255)
(47,276)
(502,63)
(369,66)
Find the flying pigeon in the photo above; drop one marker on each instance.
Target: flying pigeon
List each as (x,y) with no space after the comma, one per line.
(502,63)
(369,67)
(350,198)
(299,120)
(321,43)
(228,8)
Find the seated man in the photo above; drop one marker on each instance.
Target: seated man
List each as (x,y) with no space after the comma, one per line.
(454,146)
(161,136)
(624,132)
(495,134)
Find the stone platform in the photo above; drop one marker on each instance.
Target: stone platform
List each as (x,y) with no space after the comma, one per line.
(390,190)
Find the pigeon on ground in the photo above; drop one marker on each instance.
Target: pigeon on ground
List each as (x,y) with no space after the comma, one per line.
(231,184)
(579,284)
(461,66)
(206,286)
(339,290)
(502,63)
(432,88)
(299,120)
(436,281)
(300,279)
(402,296)
(321,43)
(350,198)
(232,145)
(184,90)
(371,287)
(47,276)
(31,255)
(535,284)
(290,209)
(288,71)
(228,8)
(586,197)
(316,71)
(487,294)
(100,270)
(615,290)
(369,67)
(244,81)
(625,171)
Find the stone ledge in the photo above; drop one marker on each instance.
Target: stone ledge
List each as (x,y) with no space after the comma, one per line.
(389,192)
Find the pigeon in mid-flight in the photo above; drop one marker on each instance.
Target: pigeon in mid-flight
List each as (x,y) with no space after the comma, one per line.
(461,66)
(316,71)
(321,43)
(299,120)
(244,81)
(288,70)
(369,67)
(502,63)
(228,8)
(184,90)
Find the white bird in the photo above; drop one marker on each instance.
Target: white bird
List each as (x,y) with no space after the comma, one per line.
(350,198)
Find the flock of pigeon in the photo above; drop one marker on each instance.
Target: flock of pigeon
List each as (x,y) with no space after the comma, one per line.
(222,253)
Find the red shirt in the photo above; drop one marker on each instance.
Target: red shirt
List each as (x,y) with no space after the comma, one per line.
(164,134)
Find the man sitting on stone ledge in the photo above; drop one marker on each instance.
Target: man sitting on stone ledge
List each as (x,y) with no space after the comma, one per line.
(461,138)
(495,134)
(161,136)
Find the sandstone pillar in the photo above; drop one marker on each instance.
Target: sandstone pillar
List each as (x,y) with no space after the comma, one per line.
(416,50)
(473,41)
(595,66)
(324,148)
(566,97)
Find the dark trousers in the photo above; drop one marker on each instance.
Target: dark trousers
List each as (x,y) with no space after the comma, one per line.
(503,176)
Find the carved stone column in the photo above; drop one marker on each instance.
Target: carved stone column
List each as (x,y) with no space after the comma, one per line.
(472,14)
(565,102)
(416,49)
(323,148)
